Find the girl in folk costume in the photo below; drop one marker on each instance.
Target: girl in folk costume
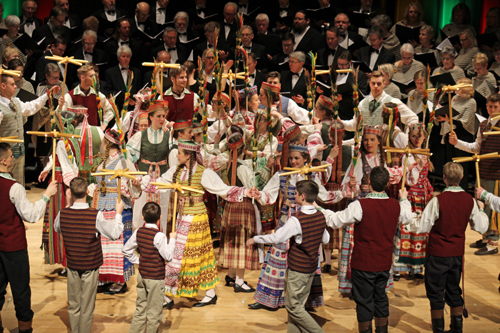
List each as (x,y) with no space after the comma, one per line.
(265,147)
(239,222)
(132,122)
(412,247)
(65,170)
(150,150)
(272,277)
(221,121)
(356,185)
(115,268)
(194,266)
(241,105)
(182,131)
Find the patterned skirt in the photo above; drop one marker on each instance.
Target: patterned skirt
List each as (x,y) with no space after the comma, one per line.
(115,267)
(237,226)
(193,266)
(334,233)
(273,275)
(52,242)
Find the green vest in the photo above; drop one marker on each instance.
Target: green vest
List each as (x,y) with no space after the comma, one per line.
(153,153)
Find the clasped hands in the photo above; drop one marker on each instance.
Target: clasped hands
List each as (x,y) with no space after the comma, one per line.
(252,193)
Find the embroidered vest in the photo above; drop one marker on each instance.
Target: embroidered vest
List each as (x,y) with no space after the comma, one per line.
(12,125)
(151,264)
(153,152)
(90,102)
(489,168)
(375,118)
(180,108)
(96,144)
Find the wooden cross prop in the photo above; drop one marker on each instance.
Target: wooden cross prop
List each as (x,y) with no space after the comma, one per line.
(496,128)
(54,134)
(177,188)
(162,65)
(9,72)
(339,71)
(407,151)
(10,139)
(305,169)
(66,61)
(476,158)
(449,90)
(119,174)
(232,81)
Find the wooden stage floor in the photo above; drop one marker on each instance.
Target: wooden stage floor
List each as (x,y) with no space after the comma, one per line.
(409,308)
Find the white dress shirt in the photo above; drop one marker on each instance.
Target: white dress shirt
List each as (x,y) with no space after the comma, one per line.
(373,58)
(161,243)
(173,54)
(295,79)
(88,57)
(108,228)
(124,75)
(106,106)
(111,17)
(227,30)
(29,27)
(292,228)
(474,147)
(160,15)
(298,37)
(28,108)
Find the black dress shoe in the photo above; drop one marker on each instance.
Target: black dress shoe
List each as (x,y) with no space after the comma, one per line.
(240,289)
(169,305)
(484,251)
(397,277)
(327,268)
(202,304)
(122,290)
(229,280)
(256,306)
(478,244)
(419,276)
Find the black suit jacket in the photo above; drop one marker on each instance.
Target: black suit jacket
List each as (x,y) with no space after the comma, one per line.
(167,82)
(299,89)
(150,28)
(139,54)
(74,20)
(44,31)
(311,41)
(193,38)
(182,52)
(319,16)
(170,12)
(99,58)
(323,56)
(199,48)
(385,56)
(278,63)
(38,23)
(210,12)
(240,84)
(273,11)
(231,37)
(271,42)
(106,27)
(260,52)
(116,84)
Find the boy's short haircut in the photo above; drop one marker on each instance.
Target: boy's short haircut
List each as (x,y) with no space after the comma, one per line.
(174,72)
(4,150)
(309,188)
(78,187)
(379,178)
(493,98)
(453,172)
(376,74)
(151,212)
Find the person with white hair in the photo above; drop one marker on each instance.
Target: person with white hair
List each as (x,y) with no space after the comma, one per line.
(28,20)
(89,52)
(185,34)
(265,36)
(12,22)
(293,81)
(448,55)
(406,68)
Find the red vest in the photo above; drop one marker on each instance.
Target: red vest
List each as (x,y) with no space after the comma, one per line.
(374,235)
(303,257)
(180,108)
(83,247)
(447,236)
(489,168)
(90,102)
(12,231)
(151,264)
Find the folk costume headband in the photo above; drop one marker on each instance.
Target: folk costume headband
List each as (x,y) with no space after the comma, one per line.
(372,130)
(178,126)
(158,105)
(77,109)
(198,129)
(324,103)
(192,146)
(112,136)
(299,148)
(287,137)
(234,154)
(417,127)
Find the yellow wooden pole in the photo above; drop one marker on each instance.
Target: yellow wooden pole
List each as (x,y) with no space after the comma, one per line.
(119,189)
(477,174)
(451,112)
(54,158)
(64,79)
(404,172)
(174,217)
(161,84)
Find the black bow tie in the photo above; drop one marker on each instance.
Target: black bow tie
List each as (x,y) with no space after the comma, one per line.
(293,74)
(228,24)
(30,21)
(199,11)
(162,9)
(121,43)
(89,53)
(373,50)
(182,33)
(252,75)
(172,49)
(111,12)
(124,69)
(331,52)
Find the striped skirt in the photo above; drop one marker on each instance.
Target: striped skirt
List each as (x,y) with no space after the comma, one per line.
(237,226)
(52,242)
(335,240)
(115,267)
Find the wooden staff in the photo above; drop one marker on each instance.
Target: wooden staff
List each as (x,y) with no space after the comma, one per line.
(476,158)
(232,77)
(119,174)
(66,61)
(327,71)
(9,72)
(161,65)
(177,188)
(407,151)
(54,134)
(450,90)
(305,169)
(10,139)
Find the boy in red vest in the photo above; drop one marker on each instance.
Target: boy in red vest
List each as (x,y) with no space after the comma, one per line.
(14,261)
(181,101)
(445,219)
(154,249)
(489,170)
(376,218)
(81,228)
(306,231)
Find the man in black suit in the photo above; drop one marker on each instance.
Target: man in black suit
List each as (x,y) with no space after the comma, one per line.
(265,37)
(143,28)
(58,47)
(348,39)
(293,81)
(280,61)
(107,17)
(249,9)
(375,54)
(178,53)
(250,47)
(54,28)
(256,76)
(28,20)
(324,13)
(328,55)
(90,53)
(185,35)
(306,39)
(282,13)
(224,51)
(200,12)
(167,82)
(72,21)
(123,38)
(227,32)
(162,13)
(365,7)
(117,77)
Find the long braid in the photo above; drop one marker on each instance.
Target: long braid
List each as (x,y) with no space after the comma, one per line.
(103,162)
(176,173)
(381,152)
(192,161)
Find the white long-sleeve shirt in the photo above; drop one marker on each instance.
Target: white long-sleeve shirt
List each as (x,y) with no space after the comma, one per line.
(294,111)
(491,200)
(292,228)
(107,113)
(69,169)
(473,147)
(29,212)
(354,212)
(108,228)
(478,219)
(161,243)
(28,108)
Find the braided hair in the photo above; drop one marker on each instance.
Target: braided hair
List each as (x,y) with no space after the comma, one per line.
(103,162)
(189,166)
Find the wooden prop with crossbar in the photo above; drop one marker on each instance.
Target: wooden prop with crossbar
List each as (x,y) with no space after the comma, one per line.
(161,65)
(177,188)
(232,77)
(9,72)
(407,151)
(11,139)
(119,174)
(476,158)
(305,169)
(66,61)
(450,90)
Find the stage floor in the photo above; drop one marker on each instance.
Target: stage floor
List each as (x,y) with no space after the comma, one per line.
(409,307)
